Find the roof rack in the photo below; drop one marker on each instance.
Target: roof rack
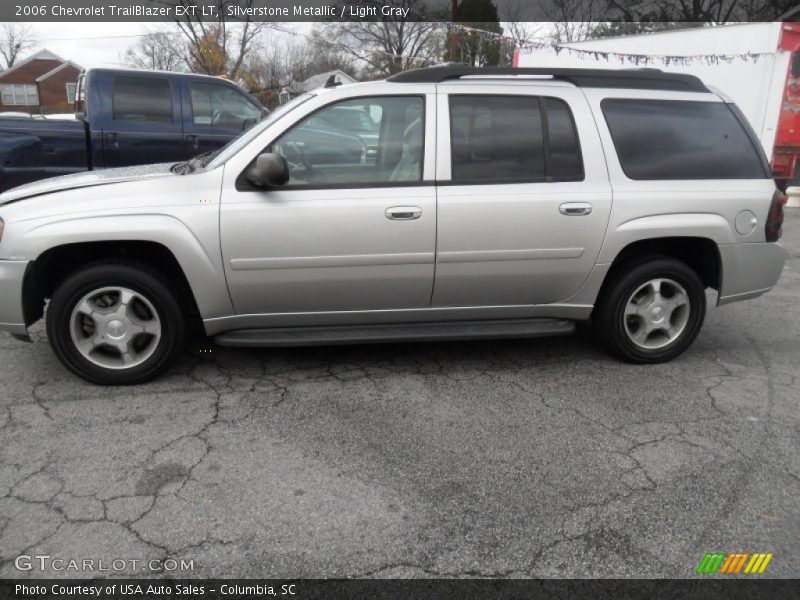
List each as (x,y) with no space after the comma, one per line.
(642,79)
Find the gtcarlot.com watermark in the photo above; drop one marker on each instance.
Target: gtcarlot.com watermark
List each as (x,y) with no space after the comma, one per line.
(45,562)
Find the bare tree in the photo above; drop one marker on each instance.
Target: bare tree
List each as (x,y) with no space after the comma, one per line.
(16,39)
(391,44)
(158,49)
(573,20)
(217,47)
(697,11)
(518,33)
(290,58)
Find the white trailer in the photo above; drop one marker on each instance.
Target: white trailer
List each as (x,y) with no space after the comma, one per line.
(754,64)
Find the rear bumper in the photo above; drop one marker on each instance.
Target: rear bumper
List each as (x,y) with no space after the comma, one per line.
(749,270)
(12,275)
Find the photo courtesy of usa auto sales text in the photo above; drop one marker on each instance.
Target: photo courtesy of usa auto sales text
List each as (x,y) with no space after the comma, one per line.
(138,590)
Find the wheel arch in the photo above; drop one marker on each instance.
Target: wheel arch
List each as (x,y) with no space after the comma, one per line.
(55,264)
(162,242)
(701,254)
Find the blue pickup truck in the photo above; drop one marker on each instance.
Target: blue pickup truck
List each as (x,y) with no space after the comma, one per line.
(126,117)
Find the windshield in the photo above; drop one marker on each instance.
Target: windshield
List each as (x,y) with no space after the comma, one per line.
(236,144)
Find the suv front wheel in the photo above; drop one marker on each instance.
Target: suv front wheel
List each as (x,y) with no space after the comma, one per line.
(115,324)
(652,311)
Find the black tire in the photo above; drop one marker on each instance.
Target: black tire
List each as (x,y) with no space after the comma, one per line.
(609,317)
(136,277)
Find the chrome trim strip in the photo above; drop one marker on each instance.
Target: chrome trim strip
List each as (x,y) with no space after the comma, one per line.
(316,262)
(509,255)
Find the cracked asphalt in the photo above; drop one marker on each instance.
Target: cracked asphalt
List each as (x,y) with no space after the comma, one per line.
(540,458)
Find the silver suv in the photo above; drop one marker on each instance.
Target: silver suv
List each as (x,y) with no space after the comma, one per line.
(486,203)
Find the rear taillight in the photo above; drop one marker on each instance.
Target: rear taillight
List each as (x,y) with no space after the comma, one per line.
(775,217)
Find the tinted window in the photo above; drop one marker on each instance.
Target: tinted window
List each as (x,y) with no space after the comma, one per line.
(564,149)
(146,99)
(672,139)
(496,139)
(221,106)
(366,140)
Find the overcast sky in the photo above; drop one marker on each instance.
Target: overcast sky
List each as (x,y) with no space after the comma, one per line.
(73,41)
(100,44)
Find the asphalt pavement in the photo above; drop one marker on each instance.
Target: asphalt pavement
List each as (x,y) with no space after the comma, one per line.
(539,458)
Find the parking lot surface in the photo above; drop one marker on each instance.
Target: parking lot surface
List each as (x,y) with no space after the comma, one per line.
(539,458)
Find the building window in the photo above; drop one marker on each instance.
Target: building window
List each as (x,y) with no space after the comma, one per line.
(19,94)
(71,92)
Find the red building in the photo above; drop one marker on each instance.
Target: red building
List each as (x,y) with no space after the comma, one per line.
(42,83)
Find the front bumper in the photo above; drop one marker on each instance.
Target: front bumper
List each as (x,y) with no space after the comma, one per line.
(12,275)
(749,270)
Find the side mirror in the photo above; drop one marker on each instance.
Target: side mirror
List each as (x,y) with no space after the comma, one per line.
(269,170)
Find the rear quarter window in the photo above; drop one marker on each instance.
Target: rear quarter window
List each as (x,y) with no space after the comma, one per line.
(679,139)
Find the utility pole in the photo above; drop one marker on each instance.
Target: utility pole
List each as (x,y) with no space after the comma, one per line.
(453,33)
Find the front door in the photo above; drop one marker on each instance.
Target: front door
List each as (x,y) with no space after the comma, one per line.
(214,114)
(354,228)
(524,195)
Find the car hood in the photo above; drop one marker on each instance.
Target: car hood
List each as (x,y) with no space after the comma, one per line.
(87,179)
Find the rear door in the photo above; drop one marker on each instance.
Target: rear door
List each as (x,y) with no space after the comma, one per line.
(141,120)
(523,194)
(214,113)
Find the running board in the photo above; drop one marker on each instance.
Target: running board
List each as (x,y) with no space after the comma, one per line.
(401,332)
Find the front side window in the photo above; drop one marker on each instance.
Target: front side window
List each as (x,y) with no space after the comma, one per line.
(142,99)
(221,106)
(513,139)
(681,139)
(362,141)
(19,94)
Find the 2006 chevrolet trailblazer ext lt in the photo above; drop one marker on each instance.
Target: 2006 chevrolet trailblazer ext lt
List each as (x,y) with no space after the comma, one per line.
(460,203)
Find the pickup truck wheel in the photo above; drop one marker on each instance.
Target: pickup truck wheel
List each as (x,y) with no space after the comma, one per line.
(652,311)
(115,324)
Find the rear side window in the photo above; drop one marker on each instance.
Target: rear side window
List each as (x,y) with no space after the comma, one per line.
(513,139)
(143,99)
(678,139)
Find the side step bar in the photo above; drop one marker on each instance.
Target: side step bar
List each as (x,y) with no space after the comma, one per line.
(401,332)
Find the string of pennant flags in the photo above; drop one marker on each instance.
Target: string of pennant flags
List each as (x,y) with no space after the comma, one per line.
(608,56)
(589,54)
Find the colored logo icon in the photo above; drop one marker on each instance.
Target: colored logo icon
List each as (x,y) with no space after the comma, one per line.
(734,563)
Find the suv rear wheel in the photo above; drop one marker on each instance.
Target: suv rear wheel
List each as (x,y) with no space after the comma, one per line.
(651,311)
(115,324)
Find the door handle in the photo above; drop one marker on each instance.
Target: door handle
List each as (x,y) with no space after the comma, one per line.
(112,140)
(403,213)
(192,139)
(575,209)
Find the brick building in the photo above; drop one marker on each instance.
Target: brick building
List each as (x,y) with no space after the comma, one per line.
(41,83)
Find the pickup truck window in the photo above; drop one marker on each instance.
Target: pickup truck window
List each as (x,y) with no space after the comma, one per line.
(142,99)
(221,106)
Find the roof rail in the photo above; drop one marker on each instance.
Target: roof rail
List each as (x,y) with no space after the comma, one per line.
(642,79)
